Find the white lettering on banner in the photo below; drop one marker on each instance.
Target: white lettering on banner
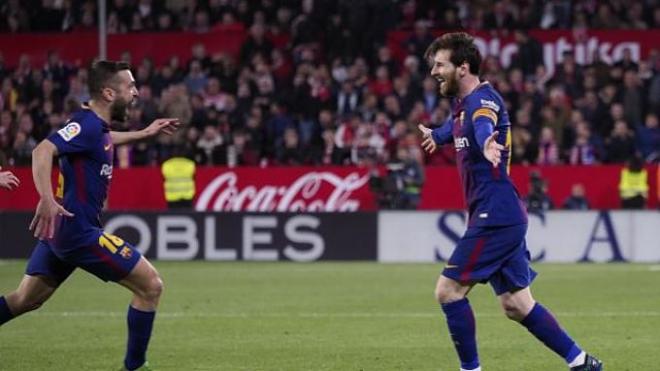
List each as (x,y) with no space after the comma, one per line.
(553,52)
(558,236)
(180,230)
(252,237)
(301,195)
(292,232)
(211,252)
(177,237)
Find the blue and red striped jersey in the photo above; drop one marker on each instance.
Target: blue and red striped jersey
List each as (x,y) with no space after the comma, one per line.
(491,196)
(85,154)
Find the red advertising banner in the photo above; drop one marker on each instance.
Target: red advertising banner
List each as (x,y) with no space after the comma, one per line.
(292,189)
(82,46)
(609,45)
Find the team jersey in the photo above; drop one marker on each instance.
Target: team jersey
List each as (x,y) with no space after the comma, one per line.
(491,197)
(85,154)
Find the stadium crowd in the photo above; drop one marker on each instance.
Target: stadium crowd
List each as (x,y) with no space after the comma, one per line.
(334,94)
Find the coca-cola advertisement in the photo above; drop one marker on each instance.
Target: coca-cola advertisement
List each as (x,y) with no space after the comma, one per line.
(327,189)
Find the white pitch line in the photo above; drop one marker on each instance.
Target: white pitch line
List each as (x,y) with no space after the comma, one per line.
(654,268)
(187,315)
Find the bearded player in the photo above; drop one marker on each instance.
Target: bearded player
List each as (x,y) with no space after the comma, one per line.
(493,248)
(67,223)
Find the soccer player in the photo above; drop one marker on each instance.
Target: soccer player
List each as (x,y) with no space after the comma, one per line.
(8,180)
(493,248)
(67,223)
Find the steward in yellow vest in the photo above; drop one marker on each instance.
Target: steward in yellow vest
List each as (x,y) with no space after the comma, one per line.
(634,186)
(179,186)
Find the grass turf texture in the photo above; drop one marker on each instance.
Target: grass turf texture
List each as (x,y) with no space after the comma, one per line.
(330,316)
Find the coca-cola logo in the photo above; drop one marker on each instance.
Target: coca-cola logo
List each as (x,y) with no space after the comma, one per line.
(313,191)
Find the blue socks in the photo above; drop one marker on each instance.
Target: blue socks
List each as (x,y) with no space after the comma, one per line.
(460,320)
(139,332)
(542,324)
(5,313)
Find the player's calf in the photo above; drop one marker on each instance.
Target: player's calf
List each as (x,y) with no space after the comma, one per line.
(32,293)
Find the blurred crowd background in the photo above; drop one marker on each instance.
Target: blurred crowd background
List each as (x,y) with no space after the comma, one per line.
(334,93)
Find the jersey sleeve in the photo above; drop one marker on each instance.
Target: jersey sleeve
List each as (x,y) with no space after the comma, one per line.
(484,112)
(75,138)
(443,134)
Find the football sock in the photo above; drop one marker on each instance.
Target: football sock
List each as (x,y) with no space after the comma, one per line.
(579,360)
(542,324)
(460,320)
(139,332)
(5,313)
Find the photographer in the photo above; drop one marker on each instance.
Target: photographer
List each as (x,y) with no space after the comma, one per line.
(538,201)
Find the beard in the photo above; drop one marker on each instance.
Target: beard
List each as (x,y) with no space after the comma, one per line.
(449,87)
(119,110)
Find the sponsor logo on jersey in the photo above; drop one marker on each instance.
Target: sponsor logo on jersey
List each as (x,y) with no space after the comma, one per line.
(106,170)
(490,104)
(70,131)
(461,142)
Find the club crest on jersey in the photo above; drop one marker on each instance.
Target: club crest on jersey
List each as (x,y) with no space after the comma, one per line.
(126,253)
(70,131)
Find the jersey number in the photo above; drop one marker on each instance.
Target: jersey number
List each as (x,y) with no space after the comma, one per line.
(110,242)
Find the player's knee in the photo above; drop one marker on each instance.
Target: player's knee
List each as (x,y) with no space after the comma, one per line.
(513,311)
(154,289)
(445,294)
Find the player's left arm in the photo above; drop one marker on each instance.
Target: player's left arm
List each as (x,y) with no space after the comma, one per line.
(484,120)
(8,180)
(165,125)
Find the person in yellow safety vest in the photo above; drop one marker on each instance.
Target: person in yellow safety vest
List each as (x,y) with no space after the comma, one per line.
(634,186)
(179,182)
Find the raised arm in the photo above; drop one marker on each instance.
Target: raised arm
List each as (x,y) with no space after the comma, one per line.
(166,125)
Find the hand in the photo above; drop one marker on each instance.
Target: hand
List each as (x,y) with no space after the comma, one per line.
(43,223)
(428,144)
(166,125)
(8,180)
(493,150)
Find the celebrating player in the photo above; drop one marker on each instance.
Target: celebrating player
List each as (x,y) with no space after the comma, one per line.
(493,248)
(67,223)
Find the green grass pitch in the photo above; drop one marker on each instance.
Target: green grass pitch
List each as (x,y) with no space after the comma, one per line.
(330,316)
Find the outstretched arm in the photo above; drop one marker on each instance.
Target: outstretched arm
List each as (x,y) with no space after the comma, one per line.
(166,125)
(434,138)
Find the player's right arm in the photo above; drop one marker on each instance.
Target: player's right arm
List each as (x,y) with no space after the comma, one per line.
(43,223)
(436,137)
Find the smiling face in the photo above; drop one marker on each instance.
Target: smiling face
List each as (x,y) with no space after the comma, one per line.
(444,71)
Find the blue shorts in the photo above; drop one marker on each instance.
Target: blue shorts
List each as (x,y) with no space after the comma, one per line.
(111,259)
(497,255)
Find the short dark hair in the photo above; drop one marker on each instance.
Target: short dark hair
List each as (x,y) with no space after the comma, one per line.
(101,75)
(462,48)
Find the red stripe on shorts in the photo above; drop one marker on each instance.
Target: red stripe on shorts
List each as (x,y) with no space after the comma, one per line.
(474,256)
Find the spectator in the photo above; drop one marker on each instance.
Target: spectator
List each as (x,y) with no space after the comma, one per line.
(648,139)
(577,199)
(620,145)
(548,148)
